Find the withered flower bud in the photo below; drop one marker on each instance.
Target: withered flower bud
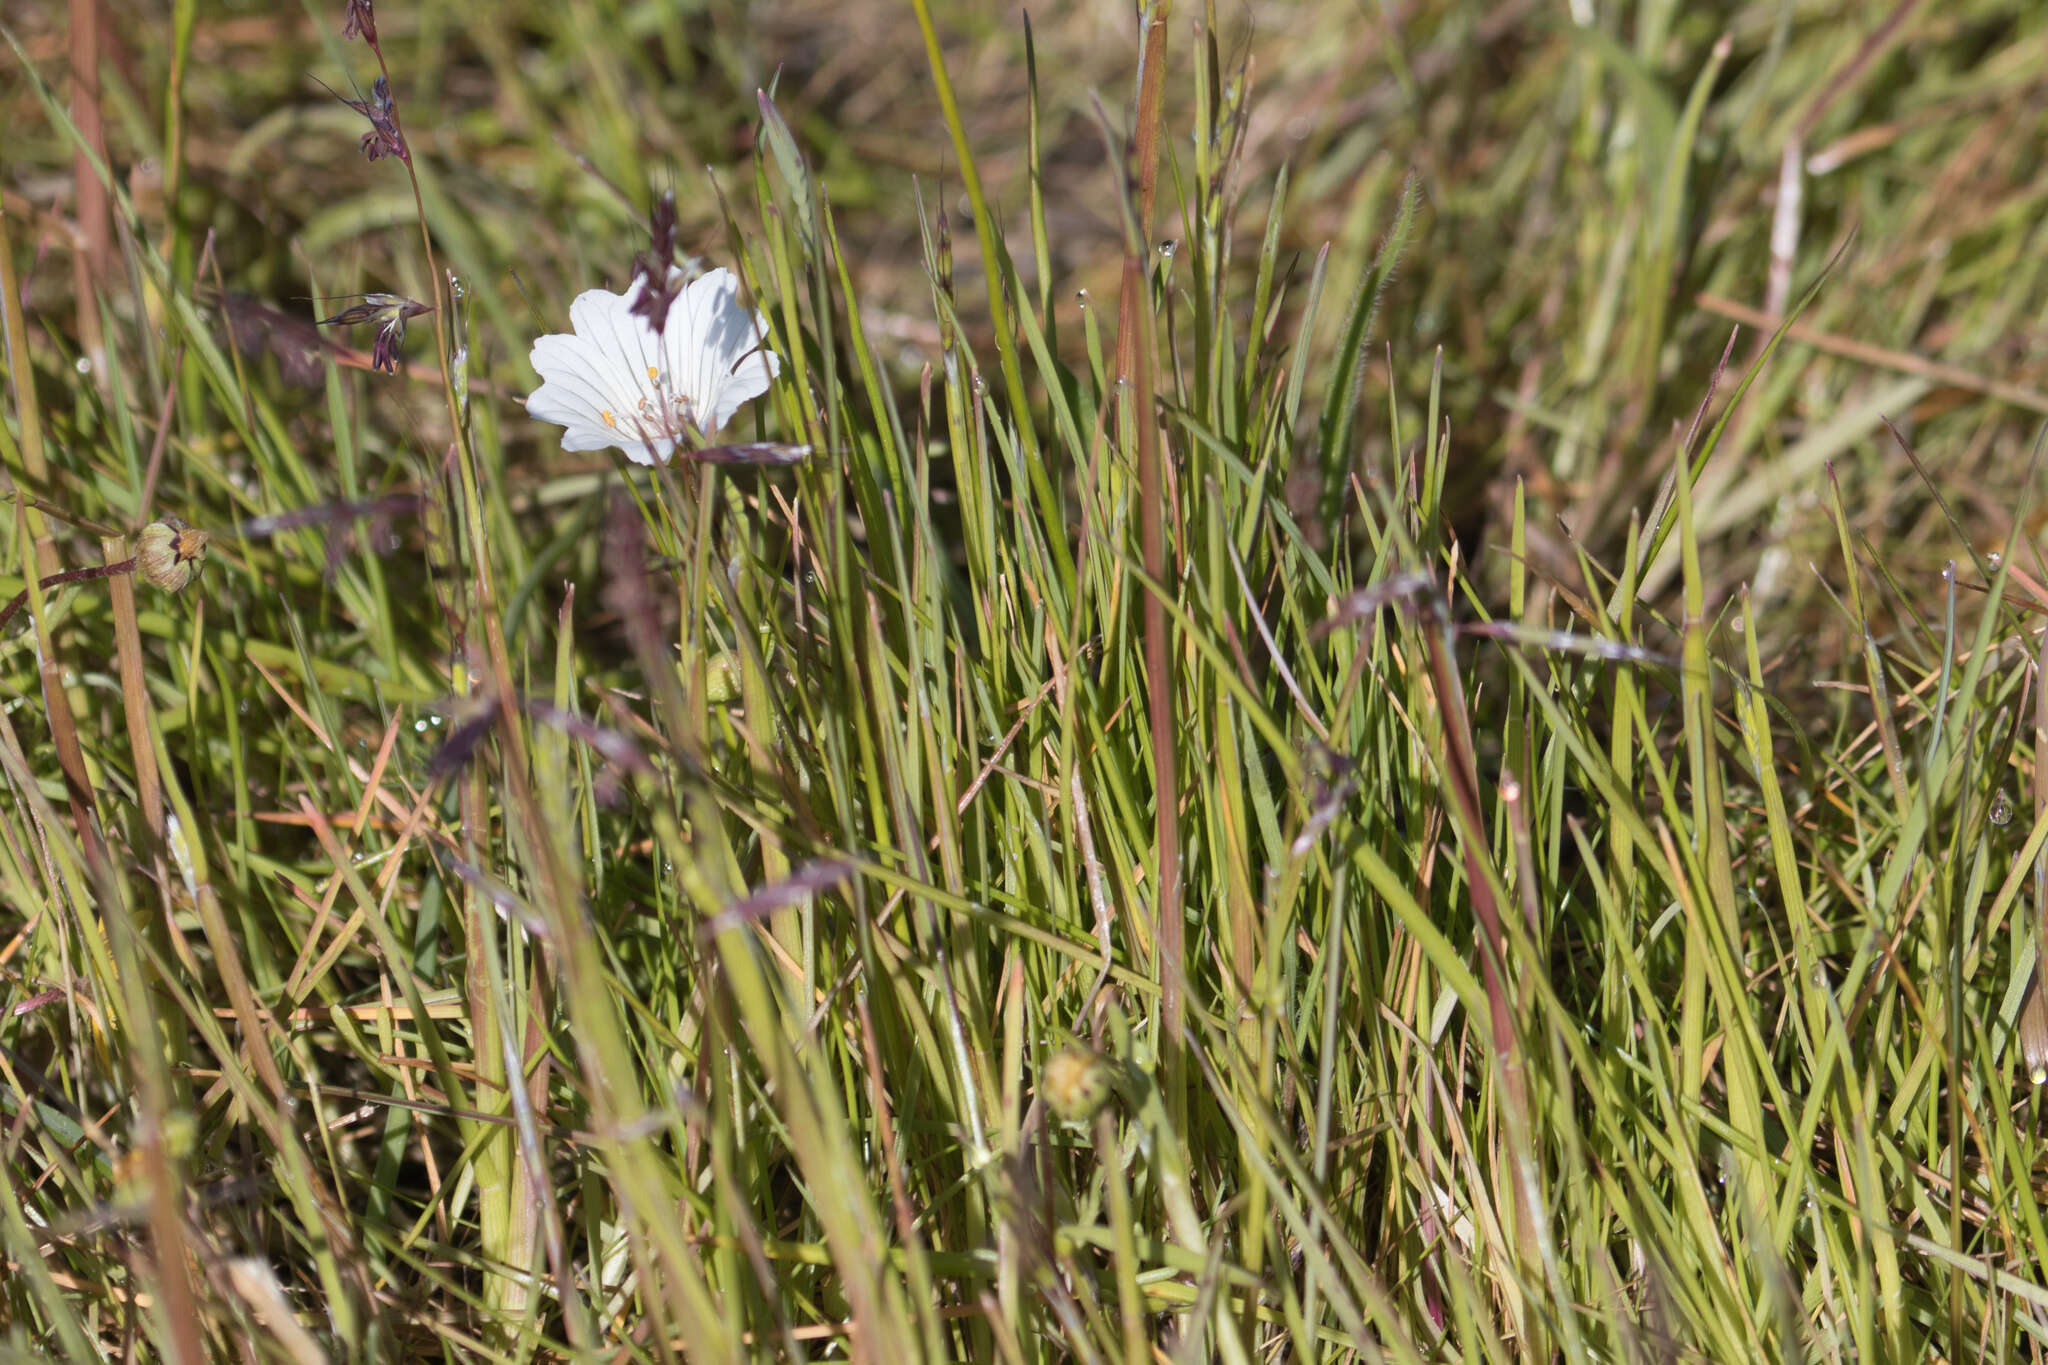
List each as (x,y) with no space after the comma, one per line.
(1076,1083)
(360,22)
(168,553)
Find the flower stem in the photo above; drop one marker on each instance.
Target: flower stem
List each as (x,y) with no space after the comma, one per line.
(465,457)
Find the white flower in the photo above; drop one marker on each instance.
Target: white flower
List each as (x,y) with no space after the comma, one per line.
(615,382)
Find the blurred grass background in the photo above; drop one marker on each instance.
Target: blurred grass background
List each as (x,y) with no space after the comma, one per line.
(1559,265)
(1558,261)
(1731,1071)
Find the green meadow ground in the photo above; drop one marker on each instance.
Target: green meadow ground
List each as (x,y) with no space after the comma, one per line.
(1324,762)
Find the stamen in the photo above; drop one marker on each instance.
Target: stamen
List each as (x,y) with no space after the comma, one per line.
(609,420)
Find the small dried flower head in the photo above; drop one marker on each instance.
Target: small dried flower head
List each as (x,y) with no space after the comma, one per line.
(653,269)
(168,553)
(360,22)
(390,312)
(616,381)
(1077,1083)
(383,139)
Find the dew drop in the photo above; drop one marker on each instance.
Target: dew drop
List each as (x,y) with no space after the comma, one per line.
(85,365)
(2001,808)
(1993,560)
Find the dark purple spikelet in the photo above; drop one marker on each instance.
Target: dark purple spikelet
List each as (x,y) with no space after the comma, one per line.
(383,139)
(360,21)
(384,352)
(653,268)
(390,311)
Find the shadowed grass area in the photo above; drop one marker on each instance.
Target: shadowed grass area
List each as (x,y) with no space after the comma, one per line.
(1321,760)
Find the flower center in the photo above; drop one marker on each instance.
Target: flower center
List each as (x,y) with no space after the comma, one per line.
(663,413)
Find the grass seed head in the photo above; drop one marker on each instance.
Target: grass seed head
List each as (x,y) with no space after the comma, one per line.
(360,21)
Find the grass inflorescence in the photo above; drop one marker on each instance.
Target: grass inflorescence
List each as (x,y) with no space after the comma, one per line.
(1277,739)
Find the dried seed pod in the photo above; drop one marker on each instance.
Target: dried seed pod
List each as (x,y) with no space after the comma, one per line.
(2034,1032)
(168,553)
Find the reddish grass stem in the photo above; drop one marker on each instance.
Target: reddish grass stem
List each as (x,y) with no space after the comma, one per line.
(20,599)
(1135,365)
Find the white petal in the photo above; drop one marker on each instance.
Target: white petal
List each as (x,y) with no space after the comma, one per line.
(703,298)
(555,403)
(578,392)
(573,379)
(595,381)
(594,311)
(621,346)
(708,336)
(651,452)
(748,380)
(581,437)
(683,337)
